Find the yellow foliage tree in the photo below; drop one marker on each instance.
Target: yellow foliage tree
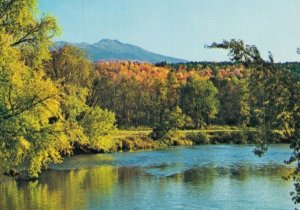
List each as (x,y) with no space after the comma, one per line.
(31,129)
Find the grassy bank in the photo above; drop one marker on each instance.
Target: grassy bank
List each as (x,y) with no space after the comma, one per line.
(139,139)
(130,140)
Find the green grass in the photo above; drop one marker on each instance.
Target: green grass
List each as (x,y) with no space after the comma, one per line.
(133,132)
(137,139)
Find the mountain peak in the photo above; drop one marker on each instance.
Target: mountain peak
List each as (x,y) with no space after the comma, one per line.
(109,41)
(112,49)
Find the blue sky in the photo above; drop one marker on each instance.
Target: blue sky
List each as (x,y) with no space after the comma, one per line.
(181,28)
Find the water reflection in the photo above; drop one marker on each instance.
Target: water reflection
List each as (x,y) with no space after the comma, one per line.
(161,185)
(78,189)
(208,174)
(58,189)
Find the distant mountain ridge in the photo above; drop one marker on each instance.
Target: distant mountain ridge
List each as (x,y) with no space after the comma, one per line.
(108,49)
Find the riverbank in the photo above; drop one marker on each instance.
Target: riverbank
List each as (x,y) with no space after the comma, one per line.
(139,139)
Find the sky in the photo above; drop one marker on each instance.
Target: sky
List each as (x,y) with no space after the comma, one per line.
(181,28)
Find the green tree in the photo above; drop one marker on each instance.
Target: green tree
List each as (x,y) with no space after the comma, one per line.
(172,120)
(198,99)
(234,97)
(250,57)
(97,124)
(275,100)
(32,35)
(30,120)
(72,73)
(173,92)
(70,66)
(85,122)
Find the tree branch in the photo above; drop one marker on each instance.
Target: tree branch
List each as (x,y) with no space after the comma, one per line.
(25,37)
(26,108)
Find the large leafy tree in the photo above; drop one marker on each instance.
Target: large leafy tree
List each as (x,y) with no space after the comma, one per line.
(30,125)
(69,65)
(85,122)
(234,101)
(275,100)
(198,100)
(31,35)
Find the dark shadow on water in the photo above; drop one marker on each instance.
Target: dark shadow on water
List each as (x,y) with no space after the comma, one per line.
(207,174)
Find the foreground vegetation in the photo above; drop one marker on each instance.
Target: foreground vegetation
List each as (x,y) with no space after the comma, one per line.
(131,140)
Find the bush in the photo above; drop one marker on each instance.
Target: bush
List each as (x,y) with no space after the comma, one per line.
(252,136)
(158,133)
(127,144)
(239,138)
(104,145)
(174,138)
(198,137)
(169,138)
(172,120)
(133,143)
(219,137)
(144,143)
(229,138)
(277,137)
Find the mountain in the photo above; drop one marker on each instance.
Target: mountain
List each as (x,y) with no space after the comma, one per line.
(108,49)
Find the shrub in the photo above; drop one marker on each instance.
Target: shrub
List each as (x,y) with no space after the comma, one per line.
(222,138)
(127,144)
(229,137)
(198,137)
(130,143)
(169,138)
(172,120)
(105,144)
(239,138)
(277,137)
(158,133)
(174,138)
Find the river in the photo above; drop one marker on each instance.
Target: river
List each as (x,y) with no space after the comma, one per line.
(200,177)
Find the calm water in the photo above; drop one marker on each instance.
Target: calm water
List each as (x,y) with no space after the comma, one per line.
(201,177)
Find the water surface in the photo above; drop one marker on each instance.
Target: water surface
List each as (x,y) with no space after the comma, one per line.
(200,177)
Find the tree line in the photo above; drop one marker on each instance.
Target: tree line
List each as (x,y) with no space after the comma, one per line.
(140,93)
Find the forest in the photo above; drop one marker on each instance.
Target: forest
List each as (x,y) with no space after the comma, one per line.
(56,103)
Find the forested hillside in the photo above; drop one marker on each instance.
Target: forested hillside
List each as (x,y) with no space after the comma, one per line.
(208,93)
